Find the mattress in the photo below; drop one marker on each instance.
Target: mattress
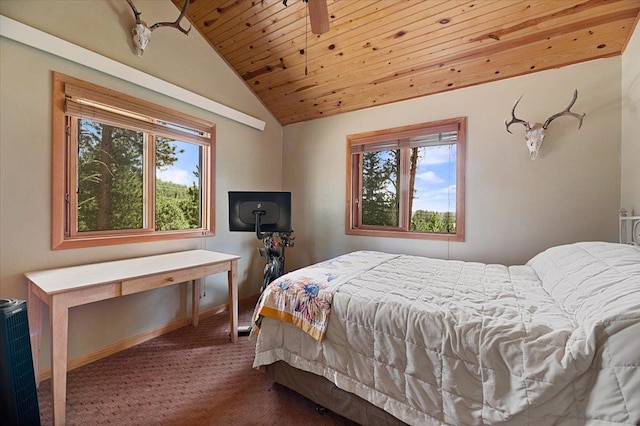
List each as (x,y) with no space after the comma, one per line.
(555,341)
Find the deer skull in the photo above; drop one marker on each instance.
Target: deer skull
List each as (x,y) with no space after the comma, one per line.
(534,137)
(535,133)
(141,36)
(142,32)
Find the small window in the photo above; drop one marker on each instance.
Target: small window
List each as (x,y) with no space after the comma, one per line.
(407,182)
(126,170)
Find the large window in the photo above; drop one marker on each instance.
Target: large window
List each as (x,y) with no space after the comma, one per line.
(126,170)
(407,182)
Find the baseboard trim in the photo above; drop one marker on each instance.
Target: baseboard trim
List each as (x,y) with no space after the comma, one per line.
(132,341)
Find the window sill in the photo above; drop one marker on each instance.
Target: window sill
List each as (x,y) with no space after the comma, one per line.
(406,234)
(108,240)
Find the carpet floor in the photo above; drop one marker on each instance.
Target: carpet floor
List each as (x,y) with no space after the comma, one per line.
(191,376)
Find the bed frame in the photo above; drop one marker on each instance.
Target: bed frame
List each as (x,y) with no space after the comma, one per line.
(629,228)
(324,393)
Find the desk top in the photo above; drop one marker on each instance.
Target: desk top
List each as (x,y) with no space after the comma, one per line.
(63,279)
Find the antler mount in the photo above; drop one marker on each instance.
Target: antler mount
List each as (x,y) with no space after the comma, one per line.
(142,32)
(535,132)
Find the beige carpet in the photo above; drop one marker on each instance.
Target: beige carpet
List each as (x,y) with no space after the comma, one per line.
(192,376)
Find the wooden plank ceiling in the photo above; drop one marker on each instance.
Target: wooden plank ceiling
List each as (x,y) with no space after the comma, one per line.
(378,52)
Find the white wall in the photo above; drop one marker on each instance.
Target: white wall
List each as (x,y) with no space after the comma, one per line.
(247,159)
(630,197)
(515,207)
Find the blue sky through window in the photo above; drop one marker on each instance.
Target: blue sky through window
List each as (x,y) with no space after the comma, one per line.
(435,183)
(181,172)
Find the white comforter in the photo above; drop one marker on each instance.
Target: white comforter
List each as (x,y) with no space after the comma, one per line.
(556,341)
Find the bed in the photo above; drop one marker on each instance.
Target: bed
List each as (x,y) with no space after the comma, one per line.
(389,339)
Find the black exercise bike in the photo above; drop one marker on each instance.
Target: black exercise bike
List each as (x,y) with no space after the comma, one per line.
(272,241)
(275,244)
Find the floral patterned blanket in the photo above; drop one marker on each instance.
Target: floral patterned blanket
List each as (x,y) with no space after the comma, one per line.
(303,297)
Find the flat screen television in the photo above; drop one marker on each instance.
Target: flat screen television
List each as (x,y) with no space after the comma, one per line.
(272,210)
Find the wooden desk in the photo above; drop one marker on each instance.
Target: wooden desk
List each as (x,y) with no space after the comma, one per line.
(64,288)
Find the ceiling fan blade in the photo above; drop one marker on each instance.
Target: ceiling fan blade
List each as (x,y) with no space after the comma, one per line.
(318,16)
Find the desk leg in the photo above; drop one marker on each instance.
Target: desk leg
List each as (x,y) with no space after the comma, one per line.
(233,300)
(59,337)
(195,303)
(34,312)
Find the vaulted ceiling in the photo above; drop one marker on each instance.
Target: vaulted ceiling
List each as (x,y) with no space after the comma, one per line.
(378,52)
